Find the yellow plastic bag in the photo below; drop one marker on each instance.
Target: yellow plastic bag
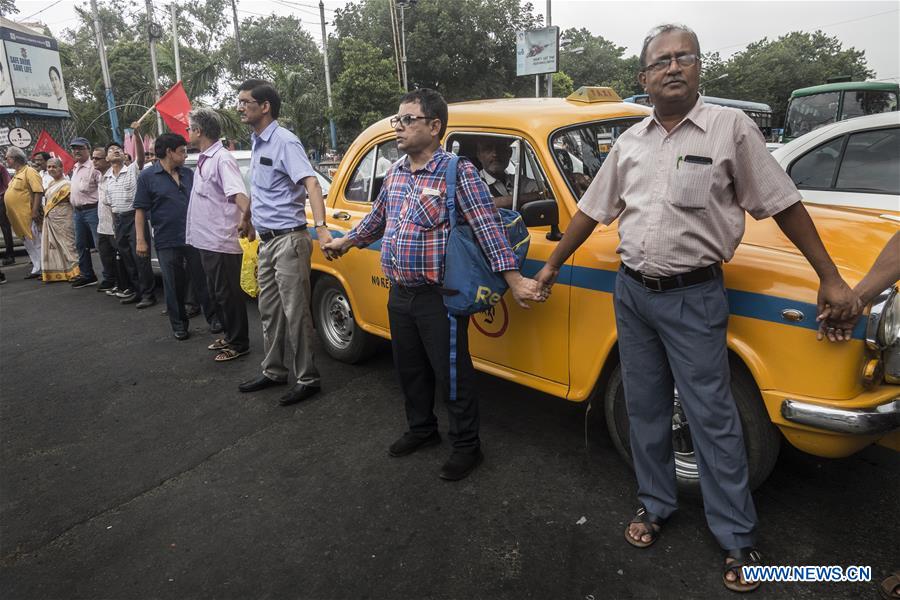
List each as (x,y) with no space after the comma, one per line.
(250,267)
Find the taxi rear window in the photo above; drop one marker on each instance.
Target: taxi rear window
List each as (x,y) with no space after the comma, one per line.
(579,151)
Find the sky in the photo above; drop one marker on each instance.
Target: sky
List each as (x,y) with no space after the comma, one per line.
(723,26)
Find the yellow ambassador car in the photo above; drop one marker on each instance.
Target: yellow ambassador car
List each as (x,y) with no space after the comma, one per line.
(827,399)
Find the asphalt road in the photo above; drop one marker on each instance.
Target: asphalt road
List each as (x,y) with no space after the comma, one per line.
(131,467)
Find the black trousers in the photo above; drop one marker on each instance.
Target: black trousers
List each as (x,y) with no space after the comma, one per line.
(113,269)
(178,264)
(138,269)
(420,338)
(6,228)
(223,279)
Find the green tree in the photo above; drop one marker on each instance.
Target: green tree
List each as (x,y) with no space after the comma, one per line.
(365,91)
(562,85)
(768,71)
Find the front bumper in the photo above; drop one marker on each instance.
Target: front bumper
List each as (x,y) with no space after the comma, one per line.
(881,419)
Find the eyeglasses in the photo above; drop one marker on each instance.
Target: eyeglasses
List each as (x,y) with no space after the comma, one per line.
(243,103)
(406,120)
(685,60)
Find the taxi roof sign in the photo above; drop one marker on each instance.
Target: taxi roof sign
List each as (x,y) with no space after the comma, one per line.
(590,94)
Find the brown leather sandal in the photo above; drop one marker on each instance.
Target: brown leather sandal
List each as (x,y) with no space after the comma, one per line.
(229,354)
(653,524)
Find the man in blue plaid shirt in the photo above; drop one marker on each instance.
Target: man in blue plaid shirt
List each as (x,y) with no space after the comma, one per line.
(410,218)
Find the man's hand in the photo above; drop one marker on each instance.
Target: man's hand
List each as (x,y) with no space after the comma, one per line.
(547,277)
(840,331)
(136,125)
(38,218)
(336,247)
(836,301)
(245,229)
(142,248)
(324,238)
(524,289)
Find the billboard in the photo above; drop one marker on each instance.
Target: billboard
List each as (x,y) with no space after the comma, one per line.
(537,51)
(31,74)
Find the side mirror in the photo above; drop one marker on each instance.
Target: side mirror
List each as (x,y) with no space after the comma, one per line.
(541,213)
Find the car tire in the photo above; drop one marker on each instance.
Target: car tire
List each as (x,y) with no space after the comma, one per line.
(343,338)
(761,437)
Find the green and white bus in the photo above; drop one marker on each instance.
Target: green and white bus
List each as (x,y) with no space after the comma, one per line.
(812,107)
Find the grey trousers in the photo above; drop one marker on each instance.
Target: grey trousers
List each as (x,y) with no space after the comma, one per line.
(678,337)
(284,265)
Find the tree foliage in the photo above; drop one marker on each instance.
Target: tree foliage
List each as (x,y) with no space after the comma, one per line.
(768,71)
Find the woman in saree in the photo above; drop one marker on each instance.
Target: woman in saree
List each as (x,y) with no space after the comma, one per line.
(58,256)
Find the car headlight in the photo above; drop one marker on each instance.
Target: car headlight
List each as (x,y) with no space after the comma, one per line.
(883,329)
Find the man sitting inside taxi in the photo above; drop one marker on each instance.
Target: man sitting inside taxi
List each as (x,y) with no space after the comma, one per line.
(494,153)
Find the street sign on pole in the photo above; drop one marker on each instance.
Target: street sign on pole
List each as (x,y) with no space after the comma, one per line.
(537,51)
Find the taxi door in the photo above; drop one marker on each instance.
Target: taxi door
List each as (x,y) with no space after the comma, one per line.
(352,200)
(533,342)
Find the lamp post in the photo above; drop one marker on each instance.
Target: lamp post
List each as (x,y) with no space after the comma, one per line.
(706,83)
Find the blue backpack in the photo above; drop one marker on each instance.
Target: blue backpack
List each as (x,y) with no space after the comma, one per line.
(470,286)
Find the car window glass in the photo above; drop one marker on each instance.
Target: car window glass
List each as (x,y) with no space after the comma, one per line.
(579,151)
(810,112)
(533,184)
(361,182)
(815,169)
(857,104)
(872,162)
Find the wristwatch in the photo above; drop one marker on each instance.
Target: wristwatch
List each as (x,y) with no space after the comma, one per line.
(318,224)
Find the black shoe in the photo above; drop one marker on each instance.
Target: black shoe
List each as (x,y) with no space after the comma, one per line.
(2,278)
(33,275)
(260,383)
(130,299)
(125,292)
(9,260)
(181,335)
(409,443)
(105,286)
(80,282)
(460,464)
(299,393)
(146,303)
(113,291)
(216,327)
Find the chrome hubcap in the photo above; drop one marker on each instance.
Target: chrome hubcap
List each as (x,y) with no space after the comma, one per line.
(337,322)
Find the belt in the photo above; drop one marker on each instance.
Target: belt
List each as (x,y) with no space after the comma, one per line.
(85,207)
(662,284)
(270,234)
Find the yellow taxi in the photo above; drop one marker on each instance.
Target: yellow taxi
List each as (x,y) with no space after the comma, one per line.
(827,399)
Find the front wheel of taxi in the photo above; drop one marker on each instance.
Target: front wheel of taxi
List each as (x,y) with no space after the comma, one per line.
(761,438)
(341,335)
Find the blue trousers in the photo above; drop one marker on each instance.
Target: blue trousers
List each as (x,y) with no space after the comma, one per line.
(678,338)
(86,237)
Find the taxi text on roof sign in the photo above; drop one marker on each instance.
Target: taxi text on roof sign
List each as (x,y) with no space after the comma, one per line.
(590,94)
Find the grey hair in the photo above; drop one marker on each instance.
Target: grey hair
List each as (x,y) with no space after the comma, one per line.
(54,160)
(666,28)
(17,154)
(208,121)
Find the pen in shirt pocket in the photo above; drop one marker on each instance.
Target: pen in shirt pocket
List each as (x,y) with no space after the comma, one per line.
(696,160)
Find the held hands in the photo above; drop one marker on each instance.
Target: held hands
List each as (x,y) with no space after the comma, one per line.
(142,248)
(838,309)
(524,289)
(335,247)
(324,239)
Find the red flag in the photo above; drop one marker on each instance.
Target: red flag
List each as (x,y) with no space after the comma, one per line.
(45,143)
(174,107)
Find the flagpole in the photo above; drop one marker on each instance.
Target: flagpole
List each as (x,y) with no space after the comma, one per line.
(150,34)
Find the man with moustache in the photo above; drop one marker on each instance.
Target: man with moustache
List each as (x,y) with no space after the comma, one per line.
(84,198)
(106,231)
(680,182)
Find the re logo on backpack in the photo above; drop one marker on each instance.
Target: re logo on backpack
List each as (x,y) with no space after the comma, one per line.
(470,285)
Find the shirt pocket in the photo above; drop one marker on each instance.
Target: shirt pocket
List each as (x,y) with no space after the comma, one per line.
(427,211)
(692,186)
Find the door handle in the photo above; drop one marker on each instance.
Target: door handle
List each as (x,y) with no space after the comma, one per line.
(341,215)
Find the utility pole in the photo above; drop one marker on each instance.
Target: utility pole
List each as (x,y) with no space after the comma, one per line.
(107,82)
(237,39)
(403,42)
(396,37)
(174,10)
(550,75)
(152,34)
(327,76)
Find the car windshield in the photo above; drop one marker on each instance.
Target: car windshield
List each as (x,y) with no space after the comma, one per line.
(579,151)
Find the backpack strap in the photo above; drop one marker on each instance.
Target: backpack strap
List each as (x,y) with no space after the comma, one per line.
(450,179)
